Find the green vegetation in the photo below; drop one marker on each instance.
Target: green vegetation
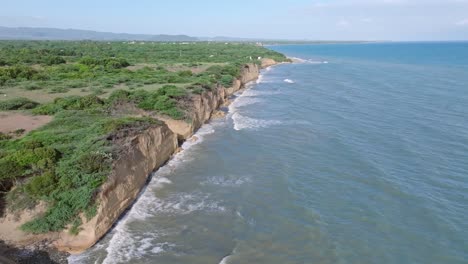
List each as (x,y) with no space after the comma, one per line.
(82,84)
(59,67)
(18,104)
(64,163)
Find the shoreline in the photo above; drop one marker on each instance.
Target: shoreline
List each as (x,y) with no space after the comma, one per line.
(194,139)
(206,107)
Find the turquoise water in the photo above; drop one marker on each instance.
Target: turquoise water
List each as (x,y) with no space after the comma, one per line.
(356,155)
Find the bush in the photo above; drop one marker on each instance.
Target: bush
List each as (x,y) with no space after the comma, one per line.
(18,104)
(41,185)
(118,95)
(4,136)
(226,80)
(59,89)
(9,169)
(172,91)
(53,60)
(187,73)
(32,87)
(97,91)
(70,103)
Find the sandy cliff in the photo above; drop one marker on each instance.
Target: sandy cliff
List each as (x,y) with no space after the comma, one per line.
(143,153)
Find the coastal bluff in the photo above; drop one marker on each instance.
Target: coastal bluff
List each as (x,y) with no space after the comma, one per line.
(144,152)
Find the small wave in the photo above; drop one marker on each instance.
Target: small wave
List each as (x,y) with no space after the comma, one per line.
(124,247)
(244,101)
(259,79)
(225,260)
(253,93)
(288,81)
(227,181)
(316,62)
(183,204)
(127,247)
(297,60)
(243,122)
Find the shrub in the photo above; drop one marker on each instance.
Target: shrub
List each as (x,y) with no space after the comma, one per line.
(186,73)
(9,169)
(4,136)
(19,132)
(172,91)
(226,80)
(118,95)
(18,104)
(70,103)
(52,60)
(58,90)
(41,185)
(139,96)
(97,91)
(32,87)
(89,61)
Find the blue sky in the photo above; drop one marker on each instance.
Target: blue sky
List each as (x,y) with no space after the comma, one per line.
(292,19)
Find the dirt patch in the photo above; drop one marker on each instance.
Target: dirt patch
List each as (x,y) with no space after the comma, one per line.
(13,121)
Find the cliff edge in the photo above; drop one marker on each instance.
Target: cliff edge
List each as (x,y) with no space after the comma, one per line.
(142,154)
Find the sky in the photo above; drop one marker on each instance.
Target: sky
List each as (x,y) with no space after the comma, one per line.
(397,20)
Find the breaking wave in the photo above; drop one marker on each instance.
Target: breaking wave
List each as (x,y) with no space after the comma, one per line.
(243,122)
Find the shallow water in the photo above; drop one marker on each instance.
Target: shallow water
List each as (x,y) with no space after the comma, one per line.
(362,159)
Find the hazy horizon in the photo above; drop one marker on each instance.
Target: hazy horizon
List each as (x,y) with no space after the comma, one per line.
(342,20)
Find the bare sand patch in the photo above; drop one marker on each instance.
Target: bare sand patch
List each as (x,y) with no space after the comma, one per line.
(12,121)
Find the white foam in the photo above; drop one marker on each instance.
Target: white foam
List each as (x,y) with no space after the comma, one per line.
(259,79)
(160,248)
(243,122)
(227,181)
(244,101)
(314,62)
(225,260)
(288,81)
(127,247)
(182,204)
(298,60)
(253,93)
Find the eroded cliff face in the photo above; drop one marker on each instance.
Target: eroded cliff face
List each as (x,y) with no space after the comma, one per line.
(143,153)
(204,105)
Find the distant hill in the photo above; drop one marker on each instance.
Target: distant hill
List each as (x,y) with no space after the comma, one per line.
(28,33)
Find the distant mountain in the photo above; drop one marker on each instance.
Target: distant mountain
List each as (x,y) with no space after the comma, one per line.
(228,39)
(28,33)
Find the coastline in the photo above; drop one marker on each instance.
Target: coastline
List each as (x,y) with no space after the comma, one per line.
(206,107)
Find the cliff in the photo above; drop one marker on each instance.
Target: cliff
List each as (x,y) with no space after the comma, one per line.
(144,153)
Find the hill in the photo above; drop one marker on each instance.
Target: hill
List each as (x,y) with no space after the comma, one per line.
(28,33)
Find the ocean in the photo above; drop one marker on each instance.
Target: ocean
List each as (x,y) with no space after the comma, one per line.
(356,154)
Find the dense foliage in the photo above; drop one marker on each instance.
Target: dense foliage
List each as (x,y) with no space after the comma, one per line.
(58,66)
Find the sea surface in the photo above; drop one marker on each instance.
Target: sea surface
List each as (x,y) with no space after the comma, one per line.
(357,154)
